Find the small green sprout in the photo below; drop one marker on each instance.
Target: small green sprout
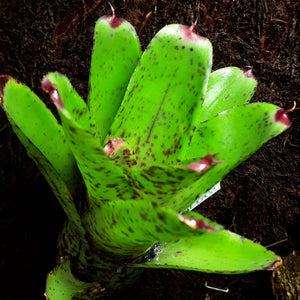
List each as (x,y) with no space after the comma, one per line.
(158,129)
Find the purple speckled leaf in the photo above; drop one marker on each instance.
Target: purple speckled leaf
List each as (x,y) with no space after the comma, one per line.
(164,95)
(223,252)
(127,229)
(115,55)
(104,180)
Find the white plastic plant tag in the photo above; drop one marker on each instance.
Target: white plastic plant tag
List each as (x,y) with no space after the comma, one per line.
(202,198)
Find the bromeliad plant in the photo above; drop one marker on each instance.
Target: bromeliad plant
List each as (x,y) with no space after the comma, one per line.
(158,129)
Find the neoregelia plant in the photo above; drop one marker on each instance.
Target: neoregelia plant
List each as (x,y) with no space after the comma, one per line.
(158,129)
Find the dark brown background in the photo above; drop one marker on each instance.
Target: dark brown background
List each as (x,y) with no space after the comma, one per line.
(259,200)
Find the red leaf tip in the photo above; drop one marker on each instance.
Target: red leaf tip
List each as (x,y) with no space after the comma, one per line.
(189,34)
(112,20)
(249,74)
(281,116)
(51,88)
(204,164)
(196,224)
(112,145)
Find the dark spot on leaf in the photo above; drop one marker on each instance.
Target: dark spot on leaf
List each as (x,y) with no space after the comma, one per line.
(154,204)
(113,185)
(161,217)
(158,229)
(143,216)
(130,230)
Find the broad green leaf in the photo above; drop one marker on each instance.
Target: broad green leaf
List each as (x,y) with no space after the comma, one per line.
(115,55)
(41,131)
(233,135)
(222,252)
(236,133)
(104,180)
(227,87)
(163,95)
(127,229)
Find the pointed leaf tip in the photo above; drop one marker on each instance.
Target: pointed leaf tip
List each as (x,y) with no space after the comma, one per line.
(204,164)
(51,88)
(249,74)
(189,34)
(112,145)
(113,21)
(274,265)
(281,116)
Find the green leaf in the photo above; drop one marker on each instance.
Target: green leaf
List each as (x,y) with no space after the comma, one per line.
(63,285)
(127,229)
(31,118)
(222,252)
(115,55)
(227,87)
(162,183)
(122,154)
(58,186)
(57,83)
(104,180)
(163,95)
(234,135)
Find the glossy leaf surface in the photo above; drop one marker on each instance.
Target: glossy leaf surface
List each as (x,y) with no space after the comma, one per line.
(224,252)
(163,183)
(227,87)
(163,95)
(115,55)
(233,135)
(35,121)
(99,172)
(129,228)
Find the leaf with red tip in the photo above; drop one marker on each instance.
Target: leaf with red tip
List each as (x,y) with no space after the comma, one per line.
(127,229)
(66,98)
(122,154)
(222,252)
(204,164)
(163,183)
(104,180)
(282,117)
(45,143)
(35,121)
(235,135)
(163,95)
(115,55)
(227,87)
(60,189)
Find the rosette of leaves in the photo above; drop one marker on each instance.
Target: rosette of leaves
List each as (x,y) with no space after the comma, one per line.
(158,129)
